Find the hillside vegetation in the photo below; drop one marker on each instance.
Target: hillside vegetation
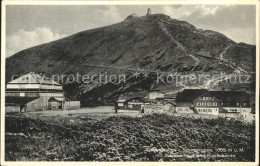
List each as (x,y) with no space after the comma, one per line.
(121,138)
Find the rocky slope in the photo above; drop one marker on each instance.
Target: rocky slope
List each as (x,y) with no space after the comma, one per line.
(147,44)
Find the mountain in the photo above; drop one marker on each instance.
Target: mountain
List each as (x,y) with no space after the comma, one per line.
(147,44)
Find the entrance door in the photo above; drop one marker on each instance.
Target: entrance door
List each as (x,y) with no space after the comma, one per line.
(60,105)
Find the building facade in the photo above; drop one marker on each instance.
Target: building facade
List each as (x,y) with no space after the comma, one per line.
(34,92)
(236,104)
(136,103)
(206,104)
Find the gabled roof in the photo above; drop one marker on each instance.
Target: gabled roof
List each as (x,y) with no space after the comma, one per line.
(232,96)
(59,99)
(189,95)
(121,100)
(207,93)
(32,78)
(138,98)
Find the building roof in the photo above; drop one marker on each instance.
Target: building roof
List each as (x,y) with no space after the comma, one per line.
(121,100)
(139,98)
(232,96)
(58,99)
(228,98)
(189,95)
(33,78)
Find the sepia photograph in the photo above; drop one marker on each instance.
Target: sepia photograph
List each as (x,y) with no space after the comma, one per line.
(110,82)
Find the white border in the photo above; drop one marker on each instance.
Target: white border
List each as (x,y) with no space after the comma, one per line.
(152,2)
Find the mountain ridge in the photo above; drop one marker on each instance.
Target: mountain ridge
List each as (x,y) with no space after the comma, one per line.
(152,43)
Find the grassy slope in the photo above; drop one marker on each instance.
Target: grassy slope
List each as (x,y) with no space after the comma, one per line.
(149,138)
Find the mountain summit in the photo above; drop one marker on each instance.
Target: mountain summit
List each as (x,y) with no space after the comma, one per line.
(150,43)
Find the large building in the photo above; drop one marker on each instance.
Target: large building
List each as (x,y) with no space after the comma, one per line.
(35,92)
(222,103)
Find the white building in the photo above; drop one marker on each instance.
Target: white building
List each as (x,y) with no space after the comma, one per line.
(155,95)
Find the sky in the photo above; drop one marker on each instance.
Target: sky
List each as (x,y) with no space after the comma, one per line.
(31,25)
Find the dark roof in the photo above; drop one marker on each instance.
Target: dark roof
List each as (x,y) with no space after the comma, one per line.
(231,96)
(16,100)
(57,99)
(189,95)
(139,98)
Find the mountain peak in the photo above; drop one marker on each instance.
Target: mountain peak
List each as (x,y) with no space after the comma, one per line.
(151,43)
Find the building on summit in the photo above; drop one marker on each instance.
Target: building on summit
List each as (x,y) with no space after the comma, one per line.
(34,92)
(148,11)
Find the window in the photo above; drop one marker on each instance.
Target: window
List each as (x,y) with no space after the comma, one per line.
(130,106)
(198,104)
(215,104)
(204,98)
(244,104)
(203,104)
(237,104)
(120,104)
(209,104)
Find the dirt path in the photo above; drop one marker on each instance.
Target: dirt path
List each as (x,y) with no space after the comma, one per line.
(211,83)
(222,53)
(179,45)
(228,63)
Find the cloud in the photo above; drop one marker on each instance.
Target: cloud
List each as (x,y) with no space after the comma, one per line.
(107,15)
(223,17)
(235,21)
(184,11)
(22,39)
